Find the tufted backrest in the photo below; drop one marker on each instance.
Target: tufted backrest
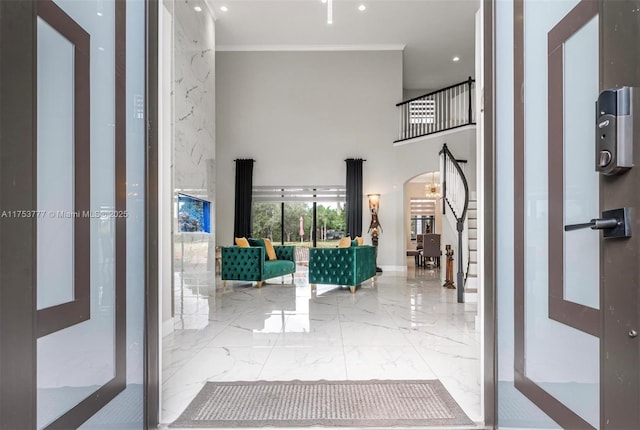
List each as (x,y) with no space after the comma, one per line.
(242,263)
(285,252)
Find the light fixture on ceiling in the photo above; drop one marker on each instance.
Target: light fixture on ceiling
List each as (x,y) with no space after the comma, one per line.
(197,8)
(224,8)
(99,13)
(329,11)
(432,189)
(456,59)
(362,8)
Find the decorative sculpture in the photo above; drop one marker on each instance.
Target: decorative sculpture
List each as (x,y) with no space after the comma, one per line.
(448,283)
(374,226)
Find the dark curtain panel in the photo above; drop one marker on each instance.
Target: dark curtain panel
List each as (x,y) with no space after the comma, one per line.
(354,196)
(244,186)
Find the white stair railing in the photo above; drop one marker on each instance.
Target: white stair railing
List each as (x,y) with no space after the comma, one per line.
(455,195)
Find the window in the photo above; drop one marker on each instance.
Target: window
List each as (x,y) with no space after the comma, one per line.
(290,214)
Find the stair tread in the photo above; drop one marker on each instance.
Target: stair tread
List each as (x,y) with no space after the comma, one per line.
(472,275)
(470,290)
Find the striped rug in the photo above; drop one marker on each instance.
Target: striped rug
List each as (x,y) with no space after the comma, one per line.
(374,403)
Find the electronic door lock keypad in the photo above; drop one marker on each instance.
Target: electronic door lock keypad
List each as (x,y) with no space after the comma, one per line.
(614,130)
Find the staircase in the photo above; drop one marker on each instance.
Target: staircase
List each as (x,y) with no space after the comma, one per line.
(471,283)
(455,208)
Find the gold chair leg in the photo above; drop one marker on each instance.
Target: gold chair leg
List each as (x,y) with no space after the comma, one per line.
(352,288)
(224,284)
(259,284)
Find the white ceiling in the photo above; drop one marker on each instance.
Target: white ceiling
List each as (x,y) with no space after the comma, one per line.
(432,31)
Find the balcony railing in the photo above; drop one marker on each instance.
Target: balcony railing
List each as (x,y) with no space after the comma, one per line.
(440,110)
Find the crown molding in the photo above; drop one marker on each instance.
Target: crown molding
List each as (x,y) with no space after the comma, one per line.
(307,48)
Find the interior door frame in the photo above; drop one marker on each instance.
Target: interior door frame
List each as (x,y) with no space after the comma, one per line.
(489,269)
(18,318)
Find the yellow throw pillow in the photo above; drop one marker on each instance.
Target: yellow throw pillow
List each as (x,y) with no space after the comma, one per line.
(271,252)
(242,242)
(360,240)
(345,242)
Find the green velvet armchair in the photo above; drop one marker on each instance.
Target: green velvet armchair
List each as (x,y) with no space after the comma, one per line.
(250,264)
(341,266)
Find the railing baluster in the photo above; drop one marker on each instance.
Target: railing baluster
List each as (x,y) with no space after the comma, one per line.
(454,100)
(424,115)
(400,123)
(454,117)
(406,121)
(456,107)
(454,114)
(469,87)
(437,111)
(440,123)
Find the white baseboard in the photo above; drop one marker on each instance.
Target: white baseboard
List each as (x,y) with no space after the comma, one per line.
(167,327)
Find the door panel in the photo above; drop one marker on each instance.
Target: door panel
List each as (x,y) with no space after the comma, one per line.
(581,198)
(549,101)
(56,109)
(90,170)
(72,195)
(79,357)
(561,366)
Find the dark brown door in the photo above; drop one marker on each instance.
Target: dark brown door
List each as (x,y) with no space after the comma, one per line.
(567,345)
(73,179)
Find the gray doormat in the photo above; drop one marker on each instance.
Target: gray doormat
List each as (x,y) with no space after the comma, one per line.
(325,403)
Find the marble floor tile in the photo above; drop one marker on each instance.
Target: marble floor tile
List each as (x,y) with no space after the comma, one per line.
(386,362)
(372,333)
(305,363)
(261,329)
(317,330)
(402,326)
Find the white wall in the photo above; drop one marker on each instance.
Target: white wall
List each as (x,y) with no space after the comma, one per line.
(300,114)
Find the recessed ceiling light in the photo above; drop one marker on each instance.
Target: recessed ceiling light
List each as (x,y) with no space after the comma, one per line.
(324,1)
(197,8)
(362,8)
(224,8)
(99,13)
(456,59)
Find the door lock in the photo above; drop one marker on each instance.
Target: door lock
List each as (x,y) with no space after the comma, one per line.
(614,130)
(614,223)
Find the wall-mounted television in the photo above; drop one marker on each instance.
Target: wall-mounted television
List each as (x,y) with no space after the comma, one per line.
(194,215)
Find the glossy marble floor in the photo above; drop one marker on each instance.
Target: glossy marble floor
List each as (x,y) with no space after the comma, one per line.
(401,326)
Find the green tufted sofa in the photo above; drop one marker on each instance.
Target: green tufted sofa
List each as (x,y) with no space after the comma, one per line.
(250,264)
(341,266)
